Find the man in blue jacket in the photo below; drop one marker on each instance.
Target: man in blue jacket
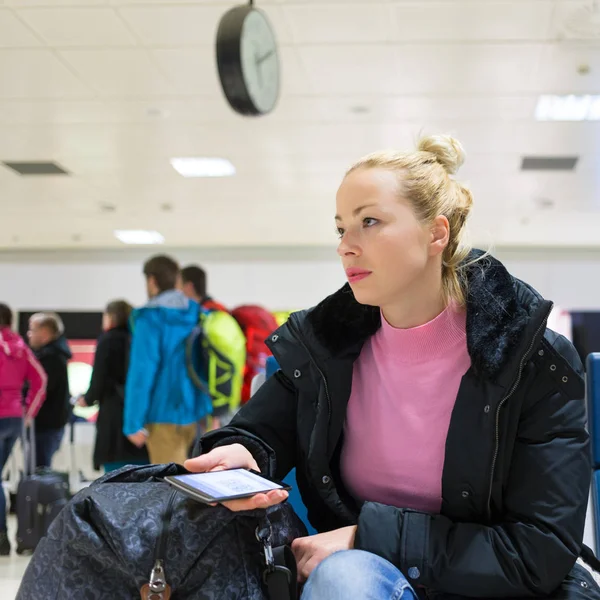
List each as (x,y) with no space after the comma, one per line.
(162,405)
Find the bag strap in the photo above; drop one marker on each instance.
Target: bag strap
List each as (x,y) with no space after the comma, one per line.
(281,578)
(281,573)
(589,558)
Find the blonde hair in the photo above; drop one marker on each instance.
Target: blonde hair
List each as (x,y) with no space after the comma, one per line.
(427,183)
(50,321)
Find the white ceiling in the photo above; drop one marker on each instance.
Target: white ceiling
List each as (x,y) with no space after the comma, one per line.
(111,89)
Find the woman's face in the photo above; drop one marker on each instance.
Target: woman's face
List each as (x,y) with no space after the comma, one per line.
(107,322)
(383,246)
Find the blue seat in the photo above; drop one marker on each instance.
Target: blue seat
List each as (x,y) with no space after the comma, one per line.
(593,409)
(295,499)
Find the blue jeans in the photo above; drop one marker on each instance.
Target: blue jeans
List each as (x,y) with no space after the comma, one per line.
(357,574)
(10,429)
(46,445)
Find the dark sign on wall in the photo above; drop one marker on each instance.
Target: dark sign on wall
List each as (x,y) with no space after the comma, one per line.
(78,325)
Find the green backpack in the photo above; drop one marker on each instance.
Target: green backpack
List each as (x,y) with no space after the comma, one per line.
(215,357)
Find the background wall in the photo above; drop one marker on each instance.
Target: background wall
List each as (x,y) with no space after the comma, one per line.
(278,278)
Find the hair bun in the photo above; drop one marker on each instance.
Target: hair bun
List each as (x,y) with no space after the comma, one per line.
(448,151)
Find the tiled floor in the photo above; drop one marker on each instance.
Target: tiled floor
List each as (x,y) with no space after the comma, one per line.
(69,459)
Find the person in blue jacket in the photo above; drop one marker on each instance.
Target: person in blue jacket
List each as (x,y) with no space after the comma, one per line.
(162,405)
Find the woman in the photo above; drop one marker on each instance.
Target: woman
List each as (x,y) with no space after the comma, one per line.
(436,425)
(18,366)
(113,450)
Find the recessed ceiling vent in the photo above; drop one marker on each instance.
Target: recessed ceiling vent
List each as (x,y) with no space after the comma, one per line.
(36,168)
(549,163)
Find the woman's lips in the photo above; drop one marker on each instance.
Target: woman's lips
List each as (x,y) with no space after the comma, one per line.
(355,275)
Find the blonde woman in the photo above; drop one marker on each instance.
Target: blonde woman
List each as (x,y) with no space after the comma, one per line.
(436,424)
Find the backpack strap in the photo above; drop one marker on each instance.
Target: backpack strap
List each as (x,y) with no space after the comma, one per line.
(196,333)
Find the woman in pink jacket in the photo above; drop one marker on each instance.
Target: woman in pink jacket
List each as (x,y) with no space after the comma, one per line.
(17,366)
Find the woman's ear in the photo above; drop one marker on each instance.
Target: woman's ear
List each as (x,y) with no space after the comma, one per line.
(440,235)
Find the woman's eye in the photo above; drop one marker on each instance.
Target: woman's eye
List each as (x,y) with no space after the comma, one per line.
(369,222)
(339,231)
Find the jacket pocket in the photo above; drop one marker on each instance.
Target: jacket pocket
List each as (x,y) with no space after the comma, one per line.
(578,585)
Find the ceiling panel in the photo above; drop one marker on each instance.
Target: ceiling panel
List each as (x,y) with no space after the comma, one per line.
(182,25)
(55,3)
(119,72)
(225,4)
(82,27)
(458,108)
(37,74)
(473,20)
(13,34)
(418,69)
(351,69)
(328,24)
(464,68)
(191,71)
(173,26)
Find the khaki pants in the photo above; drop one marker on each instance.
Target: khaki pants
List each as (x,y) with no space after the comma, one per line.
(170,443)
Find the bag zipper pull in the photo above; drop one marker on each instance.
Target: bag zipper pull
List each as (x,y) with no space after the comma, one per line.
(157,578)
(157,588)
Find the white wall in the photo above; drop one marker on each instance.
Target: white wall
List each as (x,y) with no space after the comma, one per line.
(277,278)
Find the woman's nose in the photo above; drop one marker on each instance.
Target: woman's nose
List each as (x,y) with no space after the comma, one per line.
(348,247)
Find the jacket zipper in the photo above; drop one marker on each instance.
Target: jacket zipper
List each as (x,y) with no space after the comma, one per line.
(506,398)
(296,334)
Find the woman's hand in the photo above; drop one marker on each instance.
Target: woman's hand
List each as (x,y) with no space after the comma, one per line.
(311,551)
(235,456)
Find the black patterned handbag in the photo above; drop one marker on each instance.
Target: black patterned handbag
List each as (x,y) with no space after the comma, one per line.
(130,535)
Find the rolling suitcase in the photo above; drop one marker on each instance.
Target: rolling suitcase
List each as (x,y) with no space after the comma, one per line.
(41,495)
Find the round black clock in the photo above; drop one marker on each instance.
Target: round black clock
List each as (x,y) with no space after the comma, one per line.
(247,60)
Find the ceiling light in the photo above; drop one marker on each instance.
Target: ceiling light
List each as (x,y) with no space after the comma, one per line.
(568,108)
(139,236)
(203,167)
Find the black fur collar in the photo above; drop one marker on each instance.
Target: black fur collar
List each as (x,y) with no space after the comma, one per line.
(499,309)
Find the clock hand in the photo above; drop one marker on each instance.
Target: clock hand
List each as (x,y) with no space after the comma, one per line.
(261,59)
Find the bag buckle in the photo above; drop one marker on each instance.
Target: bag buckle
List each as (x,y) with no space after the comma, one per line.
(263,535)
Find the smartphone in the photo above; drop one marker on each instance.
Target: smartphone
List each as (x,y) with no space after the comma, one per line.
(221,486)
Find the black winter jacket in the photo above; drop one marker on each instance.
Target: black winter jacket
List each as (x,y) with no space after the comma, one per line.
(56,410)
(107,389)
(517,469)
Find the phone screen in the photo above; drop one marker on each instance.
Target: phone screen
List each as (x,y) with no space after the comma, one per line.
(221,485)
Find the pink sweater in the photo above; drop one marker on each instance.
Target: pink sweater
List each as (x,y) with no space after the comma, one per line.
(404,387)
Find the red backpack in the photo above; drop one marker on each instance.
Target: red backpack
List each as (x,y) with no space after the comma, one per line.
(257,324)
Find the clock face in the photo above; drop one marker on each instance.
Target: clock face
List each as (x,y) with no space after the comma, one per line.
(259,61)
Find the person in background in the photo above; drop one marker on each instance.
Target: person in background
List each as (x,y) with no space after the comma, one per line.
(193,283)
(107,389)
(46,337)
(18,366)
(162,405)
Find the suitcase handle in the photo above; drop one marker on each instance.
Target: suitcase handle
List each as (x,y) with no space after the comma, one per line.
(28,444)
